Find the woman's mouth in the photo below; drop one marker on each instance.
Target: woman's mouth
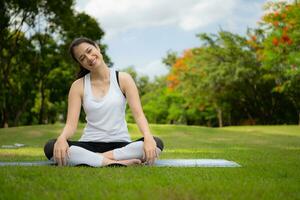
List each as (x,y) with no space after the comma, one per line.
(93,61)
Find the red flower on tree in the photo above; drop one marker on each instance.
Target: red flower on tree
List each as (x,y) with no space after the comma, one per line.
(276,23)
(286,39)
(275,41)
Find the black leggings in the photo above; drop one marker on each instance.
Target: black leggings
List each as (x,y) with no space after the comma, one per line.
(98,147)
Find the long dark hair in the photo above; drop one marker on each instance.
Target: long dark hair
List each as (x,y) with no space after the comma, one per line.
(82,71)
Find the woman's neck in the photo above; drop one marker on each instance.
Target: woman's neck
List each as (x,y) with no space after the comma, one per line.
(101,73)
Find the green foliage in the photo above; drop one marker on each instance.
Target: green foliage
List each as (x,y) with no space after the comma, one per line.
(170,58)
(36,70)
(281,49)
(238,80)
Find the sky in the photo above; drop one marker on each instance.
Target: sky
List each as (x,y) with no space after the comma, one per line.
(139,33)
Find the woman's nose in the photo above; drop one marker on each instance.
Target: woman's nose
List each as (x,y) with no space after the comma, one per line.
(89,57)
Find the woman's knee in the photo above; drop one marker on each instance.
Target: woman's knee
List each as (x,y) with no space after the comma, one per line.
(48,148)
(159,143)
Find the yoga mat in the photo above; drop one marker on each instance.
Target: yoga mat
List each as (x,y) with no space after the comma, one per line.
(195,163)
(28,163)
(159,163)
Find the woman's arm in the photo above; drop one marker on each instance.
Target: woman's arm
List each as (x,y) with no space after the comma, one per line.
(130,90)
(74,105)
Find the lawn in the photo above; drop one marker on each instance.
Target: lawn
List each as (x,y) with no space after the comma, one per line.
(269,155)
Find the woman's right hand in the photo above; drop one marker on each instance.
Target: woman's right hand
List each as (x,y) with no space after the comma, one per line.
(60,151)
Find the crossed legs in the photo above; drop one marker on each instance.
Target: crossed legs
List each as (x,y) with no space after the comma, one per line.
(80,153)
(80,156)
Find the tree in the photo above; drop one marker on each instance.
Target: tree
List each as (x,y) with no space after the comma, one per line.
(35,66)
(170,58)
(14,15)
(223,76)
(281,49)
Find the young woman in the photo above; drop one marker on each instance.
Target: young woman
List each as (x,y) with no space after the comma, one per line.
(103,93)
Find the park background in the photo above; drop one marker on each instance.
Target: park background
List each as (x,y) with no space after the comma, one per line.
(228,79)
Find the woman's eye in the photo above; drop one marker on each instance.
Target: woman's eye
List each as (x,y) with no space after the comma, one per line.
(89,51)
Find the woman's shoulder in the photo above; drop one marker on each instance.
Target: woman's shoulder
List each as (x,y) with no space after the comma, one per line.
(125,79)
(77,86)
(78,82)
(124,76)
(126,82)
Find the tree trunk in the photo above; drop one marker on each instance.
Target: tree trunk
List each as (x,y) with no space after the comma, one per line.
(20,112)
(220,119)
(5,119)
(42,109)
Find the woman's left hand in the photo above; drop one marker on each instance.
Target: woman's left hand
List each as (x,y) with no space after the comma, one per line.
(150,150)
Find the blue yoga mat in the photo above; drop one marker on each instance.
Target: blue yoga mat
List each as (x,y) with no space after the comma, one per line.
(196,163)
(159,163)
(27,163)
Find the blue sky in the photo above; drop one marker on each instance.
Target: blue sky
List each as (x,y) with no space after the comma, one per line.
(140,32)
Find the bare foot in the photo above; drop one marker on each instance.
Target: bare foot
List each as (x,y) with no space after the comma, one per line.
(107,161)
(130,162)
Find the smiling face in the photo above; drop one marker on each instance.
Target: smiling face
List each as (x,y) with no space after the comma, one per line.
(88,55)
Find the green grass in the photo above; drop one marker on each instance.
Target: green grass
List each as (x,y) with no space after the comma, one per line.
(269,155)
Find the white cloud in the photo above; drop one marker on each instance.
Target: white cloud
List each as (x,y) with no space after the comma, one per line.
(249,13)
(206,12)
(116,16)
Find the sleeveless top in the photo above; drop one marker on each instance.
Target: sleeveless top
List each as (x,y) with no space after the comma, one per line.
(105,116)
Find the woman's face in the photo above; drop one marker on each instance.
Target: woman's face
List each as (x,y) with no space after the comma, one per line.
(88,56)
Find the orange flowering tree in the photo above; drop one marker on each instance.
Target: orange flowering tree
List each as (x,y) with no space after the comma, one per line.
(281,49)
(180,88)
(209,77)
(230,78)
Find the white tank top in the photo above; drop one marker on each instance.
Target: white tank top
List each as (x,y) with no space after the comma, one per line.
(106,116)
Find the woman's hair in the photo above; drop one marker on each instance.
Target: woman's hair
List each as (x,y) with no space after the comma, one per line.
(82,71)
